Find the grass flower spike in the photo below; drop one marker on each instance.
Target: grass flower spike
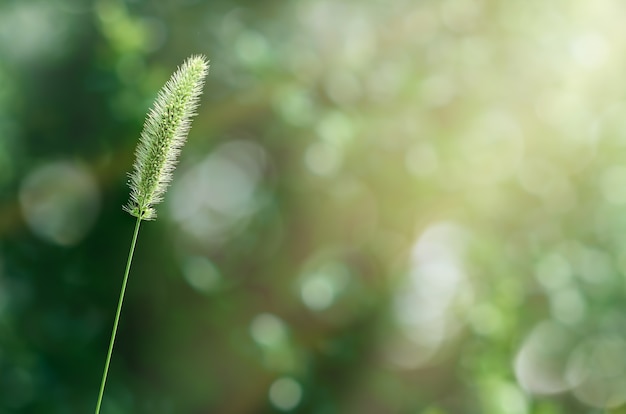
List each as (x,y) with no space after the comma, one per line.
(164,133)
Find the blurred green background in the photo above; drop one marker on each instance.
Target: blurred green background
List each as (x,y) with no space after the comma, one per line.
(384,206)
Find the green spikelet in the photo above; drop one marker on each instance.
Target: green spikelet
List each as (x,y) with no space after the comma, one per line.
(164,133)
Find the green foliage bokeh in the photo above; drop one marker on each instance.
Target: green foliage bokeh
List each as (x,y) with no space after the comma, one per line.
(405,206)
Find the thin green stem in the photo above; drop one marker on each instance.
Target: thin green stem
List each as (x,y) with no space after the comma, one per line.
(117,315)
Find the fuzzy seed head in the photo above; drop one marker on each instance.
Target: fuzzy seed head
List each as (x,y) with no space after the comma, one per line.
(164,134)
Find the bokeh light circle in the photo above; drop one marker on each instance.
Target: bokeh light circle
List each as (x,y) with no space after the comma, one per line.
(60,202)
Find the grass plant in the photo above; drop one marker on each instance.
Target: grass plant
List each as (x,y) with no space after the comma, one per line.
(164,134)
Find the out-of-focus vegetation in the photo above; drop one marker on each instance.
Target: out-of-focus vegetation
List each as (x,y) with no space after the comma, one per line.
(403,206)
